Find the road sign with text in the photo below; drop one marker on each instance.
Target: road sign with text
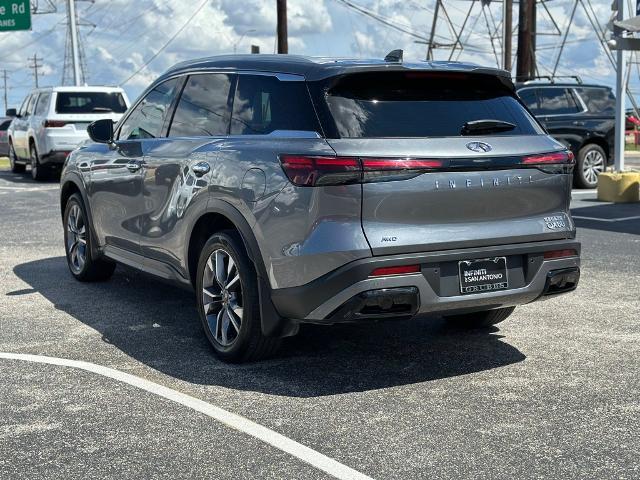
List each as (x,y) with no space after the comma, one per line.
(15,15)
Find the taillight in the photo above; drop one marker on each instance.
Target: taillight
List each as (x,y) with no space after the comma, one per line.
(565,157)
(568,252)
(399,270)
(370,164)
(310,171)
(54,123)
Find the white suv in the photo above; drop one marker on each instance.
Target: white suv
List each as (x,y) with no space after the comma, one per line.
(53,121)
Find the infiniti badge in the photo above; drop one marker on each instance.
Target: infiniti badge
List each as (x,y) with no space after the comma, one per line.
(479,147)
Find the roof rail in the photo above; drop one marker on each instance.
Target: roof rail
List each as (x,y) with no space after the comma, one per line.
(552,79)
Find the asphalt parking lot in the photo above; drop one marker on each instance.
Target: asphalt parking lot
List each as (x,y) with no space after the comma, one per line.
(554,392)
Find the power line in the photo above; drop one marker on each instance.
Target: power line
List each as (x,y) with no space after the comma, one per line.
(153,57)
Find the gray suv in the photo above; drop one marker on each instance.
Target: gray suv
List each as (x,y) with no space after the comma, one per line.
(289,190)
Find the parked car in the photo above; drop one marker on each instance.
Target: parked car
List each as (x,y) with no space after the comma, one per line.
(53,121)
(4,144)
(289,190)
(580,116)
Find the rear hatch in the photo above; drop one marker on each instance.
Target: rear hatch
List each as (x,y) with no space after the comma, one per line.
(449,160)
(77,109)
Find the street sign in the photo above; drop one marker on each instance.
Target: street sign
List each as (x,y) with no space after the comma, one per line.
(15,15)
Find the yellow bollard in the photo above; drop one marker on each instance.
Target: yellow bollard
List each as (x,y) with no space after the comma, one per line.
(619,187)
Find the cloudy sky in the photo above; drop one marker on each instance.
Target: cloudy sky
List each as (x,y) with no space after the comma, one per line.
(120,36)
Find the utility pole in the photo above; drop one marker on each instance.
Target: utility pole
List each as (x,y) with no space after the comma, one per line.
(283,43)
(6,104)
(526,64)
(507,25)
(73,31)
(35,65)
(620,95)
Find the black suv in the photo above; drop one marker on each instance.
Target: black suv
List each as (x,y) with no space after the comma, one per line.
(580,116)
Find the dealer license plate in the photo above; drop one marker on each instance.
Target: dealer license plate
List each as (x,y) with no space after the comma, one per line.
(488,274)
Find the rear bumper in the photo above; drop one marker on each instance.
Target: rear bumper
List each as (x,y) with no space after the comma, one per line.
(336,297)
(54,158)
(56,140)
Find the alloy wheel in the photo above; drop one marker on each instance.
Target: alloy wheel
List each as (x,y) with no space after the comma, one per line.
(76,239)
(592,166)
(222,297)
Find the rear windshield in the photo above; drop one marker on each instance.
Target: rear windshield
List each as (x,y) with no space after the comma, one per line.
(4,125)
(90,102)
(422,104)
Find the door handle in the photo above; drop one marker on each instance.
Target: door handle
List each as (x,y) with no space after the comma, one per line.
(578,123)
(201,168)
(135,165)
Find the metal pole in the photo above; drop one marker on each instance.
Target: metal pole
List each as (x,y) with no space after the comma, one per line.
(507,27)
(73,30)
(620,97)
(433,31)
(283,43)
(35,68)
(6,105)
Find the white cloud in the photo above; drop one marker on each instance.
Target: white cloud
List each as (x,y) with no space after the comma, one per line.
(129,32)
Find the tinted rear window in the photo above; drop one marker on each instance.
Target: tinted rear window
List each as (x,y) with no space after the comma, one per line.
(599,100)
(90,102)
(422,104)
(5,125)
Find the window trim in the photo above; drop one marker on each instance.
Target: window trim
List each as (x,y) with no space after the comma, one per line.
(576,97)
(184,74)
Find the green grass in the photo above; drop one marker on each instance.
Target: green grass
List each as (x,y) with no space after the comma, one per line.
(4,162)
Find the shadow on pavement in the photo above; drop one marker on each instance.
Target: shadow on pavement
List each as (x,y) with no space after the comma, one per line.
(609,217)
(25,178)
(158,325)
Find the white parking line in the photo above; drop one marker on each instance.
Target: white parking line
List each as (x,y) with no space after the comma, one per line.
(237,422)
(596,219)
(29,189)
(583,192)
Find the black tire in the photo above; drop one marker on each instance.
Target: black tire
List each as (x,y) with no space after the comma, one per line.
(480,319)
(90,269)
(38,172)
(592,160)
(232,342)
(13,161)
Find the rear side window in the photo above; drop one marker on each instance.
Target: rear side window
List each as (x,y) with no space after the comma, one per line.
(5,125)
(556,101)
(90,102)
(148,117)
(203,109)
(43,103)
(263,104)
(422,104)
(599,101)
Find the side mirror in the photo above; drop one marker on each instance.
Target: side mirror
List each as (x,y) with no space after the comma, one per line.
(101,131)
(11,112)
